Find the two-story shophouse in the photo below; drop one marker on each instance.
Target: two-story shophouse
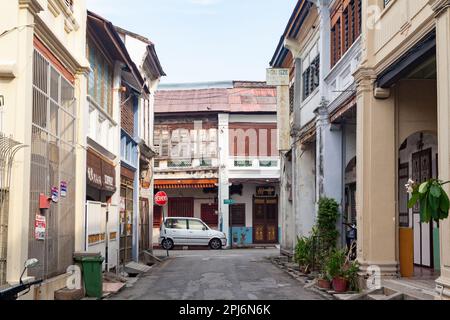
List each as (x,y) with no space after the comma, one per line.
(218,157)
(143,53)
(43,81)
(402,133)
(321,49)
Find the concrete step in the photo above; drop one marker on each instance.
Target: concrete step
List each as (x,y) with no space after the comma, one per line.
(69,295)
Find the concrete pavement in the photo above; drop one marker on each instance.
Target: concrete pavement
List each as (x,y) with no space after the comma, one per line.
(217,275)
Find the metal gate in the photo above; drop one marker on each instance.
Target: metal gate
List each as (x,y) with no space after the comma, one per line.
(8,149)
(102,229)
(53,160)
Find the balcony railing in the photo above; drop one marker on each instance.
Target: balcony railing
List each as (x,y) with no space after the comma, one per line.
(266,163)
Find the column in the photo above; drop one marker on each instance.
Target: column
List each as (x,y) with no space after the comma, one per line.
(442,12)
(18,121)
(224,182)
(376,177)
(82,126)
(305,192)
(329,156)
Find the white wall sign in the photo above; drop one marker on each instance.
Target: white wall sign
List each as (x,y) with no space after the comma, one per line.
(277,77)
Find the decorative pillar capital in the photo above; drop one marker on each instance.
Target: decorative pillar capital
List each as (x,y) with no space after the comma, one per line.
(293,46)
(365,79)
(439,6)
(32,5)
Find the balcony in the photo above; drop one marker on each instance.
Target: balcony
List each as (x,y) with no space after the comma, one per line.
(254,167)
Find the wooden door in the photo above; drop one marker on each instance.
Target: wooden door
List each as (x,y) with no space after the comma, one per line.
(126,222)
(423,232)
(265,220)
(144,226)
(209,214)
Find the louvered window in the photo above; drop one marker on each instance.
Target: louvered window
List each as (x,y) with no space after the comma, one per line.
(345,27)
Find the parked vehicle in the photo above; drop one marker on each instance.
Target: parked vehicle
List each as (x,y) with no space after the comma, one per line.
(190,232)
(14,292)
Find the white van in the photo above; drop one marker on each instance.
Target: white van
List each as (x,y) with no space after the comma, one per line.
(176,231)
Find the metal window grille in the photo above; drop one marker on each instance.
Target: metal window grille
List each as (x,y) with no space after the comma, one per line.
(52,162)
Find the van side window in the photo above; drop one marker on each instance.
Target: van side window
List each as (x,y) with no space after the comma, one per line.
(196,225)
(178,224)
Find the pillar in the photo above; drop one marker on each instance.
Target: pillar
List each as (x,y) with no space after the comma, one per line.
(305,191)
(376,177)
(224,182)
(442,15)
(18,121)
(329,156)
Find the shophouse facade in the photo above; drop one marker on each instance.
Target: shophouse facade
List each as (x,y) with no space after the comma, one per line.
(402,131)
(44,81)
(143,53)
(208,165)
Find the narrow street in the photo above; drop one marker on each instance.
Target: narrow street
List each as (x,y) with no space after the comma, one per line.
(217,275)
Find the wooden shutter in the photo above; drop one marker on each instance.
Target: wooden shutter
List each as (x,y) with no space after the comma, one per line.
(181,207)
(209,215)
(238,215)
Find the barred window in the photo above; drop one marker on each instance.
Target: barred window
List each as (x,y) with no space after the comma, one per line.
(311,73)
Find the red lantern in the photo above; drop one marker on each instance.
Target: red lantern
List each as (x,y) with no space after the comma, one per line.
(161,199)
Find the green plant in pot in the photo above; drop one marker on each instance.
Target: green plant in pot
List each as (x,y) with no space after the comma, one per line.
(335,268)
(324,280)
(302,254)
(351,270)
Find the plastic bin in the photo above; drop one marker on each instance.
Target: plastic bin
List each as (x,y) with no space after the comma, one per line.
(91,265)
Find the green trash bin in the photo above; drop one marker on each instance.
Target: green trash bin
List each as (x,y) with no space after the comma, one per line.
(92,274)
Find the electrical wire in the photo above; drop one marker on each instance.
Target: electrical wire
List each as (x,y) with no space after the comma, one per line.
(19,28)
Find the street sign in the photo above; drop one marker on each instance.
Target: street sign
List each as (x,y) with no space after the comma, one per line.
(161,199)
(277,77)
(229,201)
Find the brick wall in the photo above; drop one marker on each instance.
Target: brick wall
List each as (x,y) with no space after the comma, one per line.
(127,121)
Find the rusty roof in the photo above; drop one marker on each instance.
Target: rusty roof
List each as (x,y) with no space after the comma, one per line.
(241,98)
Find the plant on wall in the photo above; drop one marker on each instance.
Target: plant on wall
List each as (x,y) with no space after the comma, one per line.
(434,201)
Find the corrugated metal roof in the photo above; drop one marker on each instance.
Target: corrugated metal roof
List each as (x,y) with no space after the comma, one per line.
(254,98)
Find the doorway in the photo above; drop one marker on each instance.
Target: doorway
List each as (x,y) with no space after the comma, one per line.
(265,220)
(422,171)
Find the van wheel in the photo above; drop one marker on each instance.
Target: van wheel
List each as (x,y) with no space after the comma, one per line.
(215,244)
(167,244)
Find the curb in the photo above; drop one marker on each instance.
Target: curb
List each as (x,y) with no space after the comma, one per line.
(307,284)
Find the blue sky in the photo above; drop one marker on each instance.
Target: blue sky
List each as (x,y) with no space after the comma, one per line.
(205,40)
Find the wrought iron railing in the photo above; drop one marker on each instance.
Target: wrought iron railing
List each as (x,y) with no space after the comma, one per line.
(8,150)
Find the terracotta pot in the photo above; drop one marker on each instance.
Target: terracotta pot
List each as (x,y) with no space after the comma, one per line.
(340,285)
(324,284)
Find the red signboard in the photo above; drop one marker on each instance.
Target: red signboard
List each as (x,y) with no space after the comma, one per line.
(161,199)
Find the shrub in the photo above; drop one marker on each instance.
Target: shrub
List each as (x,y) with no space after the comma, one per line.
(326,223)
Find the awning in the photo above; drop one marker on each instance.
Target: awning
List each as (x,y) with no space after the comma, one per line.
(186,184)
(346,106)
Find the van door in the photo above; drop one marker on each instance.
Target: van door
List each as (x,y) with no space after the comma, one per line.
(197,233)
(177,230)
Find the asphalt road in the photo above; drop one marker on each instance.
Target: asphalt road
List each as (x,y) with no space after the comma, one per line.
(217,275)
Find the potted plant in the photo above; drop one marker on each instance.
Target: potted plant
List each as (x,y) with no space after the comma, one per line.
(335,267)
(351,270)
(324,281)
(302,254)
